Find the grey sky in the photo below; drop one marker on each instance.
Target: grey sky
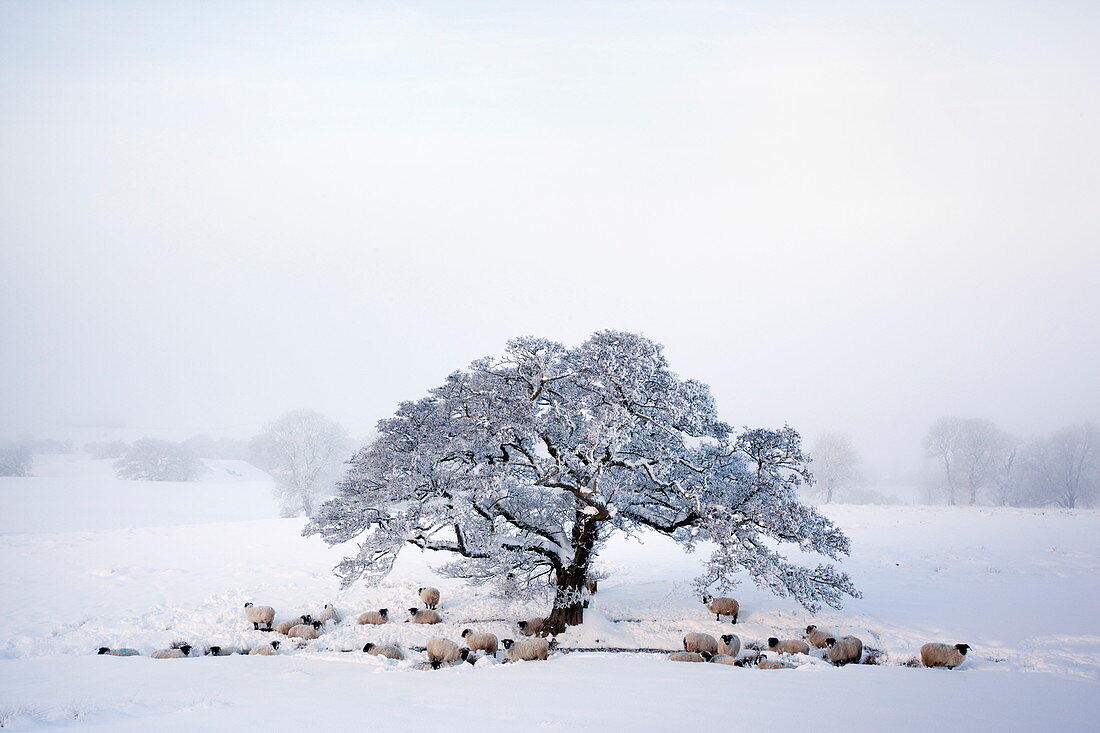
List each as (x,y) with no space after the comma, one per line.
(849,216)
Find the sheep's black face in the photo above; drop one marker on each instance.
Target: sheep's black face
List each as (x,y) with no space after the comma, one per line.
(274,645)
(963,648)
(465,654)
(368,646)
(465,633)
(215,650)
(508,643)
(830,642)
(186,649)
(419,590)
(316,624)
(247,605)
(707,598)
(810,629)
(384,612)
(412,611)
(772,641)
(103,650)
(727,639)
(522,625)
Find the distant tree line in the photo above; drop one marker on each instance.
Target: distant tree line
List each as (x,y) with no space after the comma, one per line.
(972,461)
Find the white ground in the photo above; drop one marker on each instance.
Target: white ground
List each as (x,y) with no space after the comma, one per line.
(89,561)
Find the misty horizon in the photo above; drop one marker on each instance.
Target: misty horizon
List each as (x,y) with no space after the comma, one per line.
(851,223)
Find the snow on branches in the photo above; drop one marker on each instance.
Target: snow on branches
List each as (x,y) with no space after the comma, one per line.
(523,465)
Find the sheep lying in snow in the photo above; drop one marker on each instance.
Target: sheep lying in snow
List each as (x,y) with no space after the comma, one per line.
(390,652)
(119,652)
(265,650)
(700,643)
(943,655)
(417,616)
(480,642)
(328,613)
(445,651)
(381,616)
(687,657)
(788,646)
(723,659)
(532,626)
(285,627)
(429,597)
(762,662)
(224,651)
(183,651)
(305,631)
(729,644)
(816,637)
(259,616)
(721,607)
(845,650)
(526,650)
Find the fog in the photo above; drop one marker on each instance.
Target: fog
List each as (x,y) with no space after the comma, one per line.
(851,217)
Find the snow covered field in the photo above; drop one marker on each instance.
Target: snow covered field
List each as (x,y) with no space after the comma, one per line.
(89,561)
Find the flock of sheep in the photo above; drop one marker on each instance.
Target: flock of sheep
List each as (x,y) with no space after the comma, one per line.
(440,652)
(839,651)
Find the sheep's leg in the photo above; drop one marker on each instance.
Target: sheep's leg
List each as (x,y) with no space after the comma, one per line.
(255,625)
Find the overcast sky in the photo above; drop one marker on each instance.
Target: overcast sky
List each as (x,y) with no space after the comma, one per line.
(847,216)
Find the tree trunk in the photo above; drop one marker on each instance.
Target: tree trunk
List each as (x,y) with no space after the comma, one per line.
(570,582)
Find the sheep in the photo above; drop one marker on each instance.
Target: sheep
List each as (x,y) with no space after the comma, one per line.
(591,586)
(762,662)
(381,616)
(389,652)
(943,655)
(480,642)
(417,616)
(123,652)
(526,650)
(445,651)
(723,659)
(729,644)
(788,646)
(225,651)
(305,631)
(259,615)
(700,643)
(816,637)
(532,626)
(265,650)
(721,607)
(285,627)
(429,596)
(183,651)
(686,657)
(844,650)
(328,613)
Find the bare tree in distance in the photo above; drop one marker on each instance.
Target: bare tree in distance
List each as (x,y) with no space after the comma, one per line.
(305,453)
(836,466)
(967,451)
(1066,465)
(523,465)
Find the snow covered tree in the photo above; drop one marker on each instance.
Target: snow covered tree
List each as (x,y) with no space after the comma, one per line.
(150,459)
(523,465)
(15,459)
(836,466)
(305,452)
